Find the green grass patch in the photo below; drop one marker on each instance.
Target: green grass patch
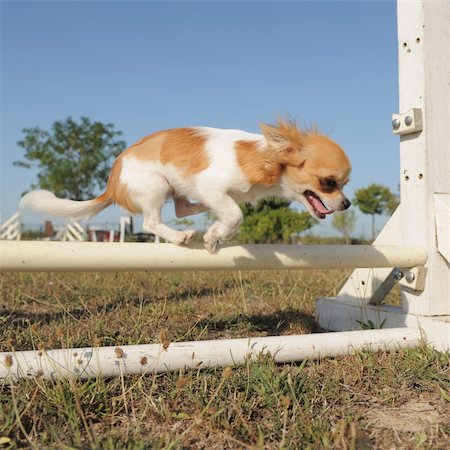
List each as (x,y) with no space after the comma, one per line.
(365,400)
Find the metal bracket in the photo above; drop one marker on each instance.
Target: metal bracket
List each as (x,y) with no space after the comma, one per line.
(413,278)
(408,122)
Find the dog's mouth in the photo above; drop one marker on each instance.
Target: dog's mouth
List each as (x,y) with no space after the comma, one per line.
(320,210)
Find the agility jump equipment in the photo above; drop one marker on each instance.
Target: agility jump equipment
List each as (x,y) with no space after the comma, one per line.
(413,249)
(11,228)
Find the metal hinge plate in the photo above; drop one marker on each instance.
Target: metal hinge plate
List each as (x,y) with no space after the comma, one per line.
(413,278)
(408,122)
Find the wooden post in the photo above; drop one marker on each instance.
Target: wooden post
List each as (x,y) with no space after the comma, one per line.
(424,77)
(423,217)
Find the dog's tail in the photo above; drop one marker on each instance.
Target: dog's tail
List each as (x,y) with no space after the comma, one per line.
(46,202)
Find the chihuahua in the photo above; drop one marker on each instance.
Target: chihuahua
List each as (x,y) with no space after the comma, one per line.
(217,169)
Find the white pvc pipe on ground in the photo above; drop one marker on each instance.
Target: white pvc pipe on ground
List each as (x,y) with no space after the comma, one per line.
(157,358)
(38,256)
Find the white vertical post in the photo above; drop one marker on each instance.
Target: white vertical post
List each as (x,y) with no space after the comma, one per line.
(424,77)
(124,221)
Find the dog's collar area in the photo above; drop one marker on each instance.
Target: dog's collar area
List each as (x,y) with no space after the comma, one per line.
(320,210)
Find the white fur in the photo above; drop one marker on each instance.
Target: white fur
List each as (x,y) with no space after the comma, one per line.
(149,186)
(223,184)
(220,187)
(46,202)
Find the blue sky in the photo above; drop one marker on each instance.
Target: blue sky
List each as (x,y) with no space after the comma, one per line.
(145,66)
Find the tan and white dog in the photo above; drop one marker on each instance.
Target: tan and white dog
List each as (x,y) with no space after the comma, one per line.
(218,169)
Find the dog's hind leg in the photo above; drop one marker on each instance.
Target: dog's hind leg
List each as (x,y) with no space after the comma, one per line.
(151,203)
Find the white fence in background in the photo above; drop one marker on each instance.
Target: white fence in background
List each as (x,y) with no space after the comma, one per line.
(72,232)
(11,230)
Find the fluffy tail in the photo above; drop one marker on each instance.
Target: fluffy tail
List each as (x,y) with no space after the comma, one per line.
(46,202)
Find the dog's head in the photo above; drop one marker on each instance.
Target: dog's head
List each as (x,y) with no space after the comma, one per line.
(314,168)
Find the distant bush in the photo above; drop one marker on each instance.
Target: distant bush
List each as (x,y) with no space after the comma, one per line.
(32,235)
(312,239)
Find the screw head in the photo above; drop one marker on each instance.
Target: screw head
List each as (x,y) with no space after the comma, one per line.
(408,120)
(396,124)
(409,277)
(398,274)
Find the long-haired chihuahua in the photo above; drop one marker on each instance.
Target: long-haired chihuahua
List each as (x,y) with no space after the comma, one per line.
(217,169)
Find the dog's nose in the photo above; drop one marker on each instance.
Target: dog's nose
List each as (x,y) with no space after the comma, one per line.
(346,203)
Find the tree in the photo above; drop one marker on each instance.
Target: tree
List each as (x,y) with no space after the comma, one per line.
(73,159)
(183,222)
(375,199)
(272,220)
(344,222)
(393,203)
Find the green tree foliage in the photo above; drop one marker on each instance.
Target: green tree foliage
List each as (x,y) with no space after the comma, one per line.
(74,158)
(392,204)
(345,223)
(183,222)
(271,220)
(375,199)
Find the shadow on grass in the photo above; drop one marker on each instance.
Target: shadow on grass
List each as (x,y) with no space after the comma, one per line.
(269,324)
(23,319)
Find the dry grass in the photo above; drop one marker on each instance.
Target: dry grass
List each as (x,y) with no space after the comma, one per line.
(387,400)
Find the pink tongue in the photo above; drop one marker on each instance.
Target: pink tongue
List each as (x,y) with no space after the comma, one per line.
(318,205)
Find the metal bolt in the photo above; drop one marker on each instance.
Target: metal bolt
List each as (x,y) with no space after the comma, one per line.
(408,120)
(398,274)
(409,277)
(396,124)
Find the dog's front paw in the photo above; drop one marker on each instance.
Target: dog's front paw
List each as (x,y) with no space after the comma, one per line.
(188,235)
(181,237)
(210,244)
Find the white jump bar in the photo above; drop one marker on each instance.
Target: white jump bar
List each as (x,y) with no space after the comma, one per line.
(38,256)
(156,358)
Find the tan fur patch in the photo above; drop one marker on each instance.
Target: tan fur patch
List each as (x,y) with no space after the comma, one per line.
(285,134)
(182,147)
(185,148)
(148,148)
(118,191)
(258,165)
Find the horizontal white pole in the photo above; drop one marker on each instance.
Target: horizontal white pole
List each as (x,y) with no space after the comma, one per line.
(39,256)
(157,358)
(337,314)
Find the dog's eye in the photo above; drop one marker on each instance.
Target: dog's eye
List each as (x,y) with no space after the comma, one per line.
(329,183)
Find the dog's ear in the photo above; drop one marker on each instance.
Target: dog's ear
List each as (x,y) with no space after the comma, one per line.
(274,135)
(285,140)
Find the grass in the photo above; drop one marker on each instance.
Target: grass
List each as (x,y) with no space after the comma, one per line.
(379,401)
